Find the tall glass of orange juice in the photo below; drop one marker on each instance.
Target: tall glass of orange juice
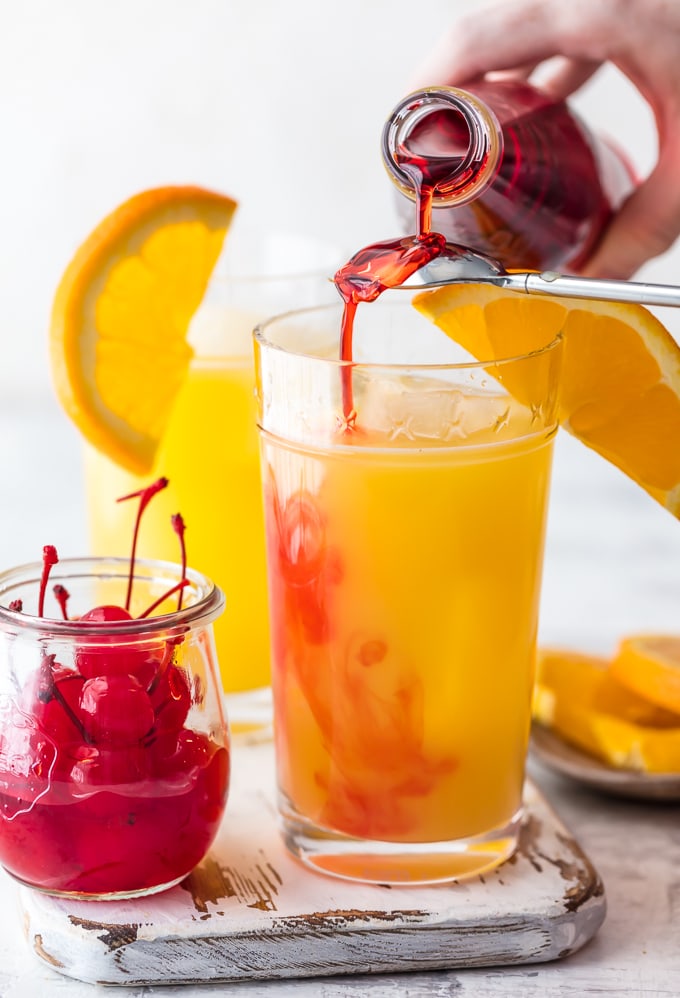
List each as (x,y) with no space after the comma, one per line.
(404,555)
(209,453)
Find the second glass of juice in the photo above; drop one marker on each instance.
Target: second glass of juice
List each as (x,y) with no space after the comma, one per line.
(209,453)
(405,508)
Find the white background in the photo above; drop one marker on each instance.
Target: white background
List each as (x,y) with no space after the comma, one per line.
(279,103)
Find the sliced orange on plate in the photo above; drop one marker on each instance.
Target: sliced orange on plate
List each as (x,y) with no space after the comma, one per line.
(572,677)
(649,666)
(118,333)
(620,382)
(579,698)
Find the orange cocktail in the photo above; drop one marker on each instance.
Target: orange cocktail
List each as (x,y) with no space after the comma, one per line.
(215,480)
(209,452)
(404,574)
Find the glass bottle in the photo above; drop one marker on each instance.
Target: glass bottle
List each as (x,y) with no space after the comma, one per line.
(506,171)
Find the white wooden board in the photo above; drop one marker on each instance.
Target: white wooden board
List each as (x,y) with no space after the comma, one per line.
(250,911)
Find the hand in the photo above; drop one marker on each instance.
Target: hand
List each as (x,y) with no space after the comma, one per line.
(641,38)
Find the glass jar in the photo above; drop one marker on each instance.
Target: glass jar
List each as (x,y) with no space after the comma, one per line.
(114,746)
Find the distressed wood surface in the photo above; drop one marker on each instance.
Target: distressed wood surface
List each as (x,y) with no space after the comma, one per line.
(250,911)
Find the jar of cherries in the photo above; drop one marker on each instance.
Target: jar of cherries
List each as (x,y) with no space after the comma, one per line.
(114,746)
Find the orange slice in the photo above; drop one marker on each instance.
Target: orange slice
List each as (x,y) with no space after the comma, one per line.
(620,382)
(120,316)
(575,677)
(577,696)
(649,665)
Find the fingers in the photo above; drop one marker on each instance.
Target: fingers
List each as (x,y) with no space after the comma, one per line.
(647,224)
(506,36)
(517,73)
(513,37)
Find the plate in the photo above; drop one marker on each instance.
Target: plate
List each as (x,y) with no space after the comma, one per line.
(561,757)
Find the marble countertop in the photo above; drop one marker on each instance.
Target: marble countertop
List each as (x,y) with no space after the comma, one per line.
(612,567)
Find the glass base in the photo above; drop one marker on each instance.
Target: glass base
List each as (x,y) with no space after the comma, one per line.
(101,895)
(250,715)
(396,863)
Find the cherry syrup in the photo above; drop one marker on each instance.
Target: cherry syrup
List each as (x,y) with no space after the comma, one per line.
(377,268)
(122,794)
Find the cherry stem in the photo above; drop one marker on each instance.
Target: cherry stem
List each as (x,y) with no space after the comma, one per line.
(171,592)
(50,690)
(179,526)
(62,596)
(50,558)
(168,652)
(145,496)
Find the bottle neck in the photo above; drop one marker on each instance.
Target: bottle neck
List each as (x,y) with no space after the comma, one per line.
(442,141)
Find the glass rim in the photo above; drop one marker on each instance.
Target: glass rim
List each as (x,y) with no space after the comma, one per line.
(260,337)
(204,610)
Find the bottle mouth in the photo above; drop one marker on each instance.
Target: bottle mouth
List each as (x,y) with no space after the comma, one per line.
(445,140)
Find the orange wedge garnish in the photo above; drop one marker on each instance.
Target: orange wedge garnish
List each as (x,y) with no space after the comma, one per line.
(118,335)
(620,383)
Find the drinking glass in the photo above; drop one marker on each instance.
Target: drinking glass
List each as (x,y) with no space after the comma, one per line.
(114,747)
(209,453)
(404,544)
